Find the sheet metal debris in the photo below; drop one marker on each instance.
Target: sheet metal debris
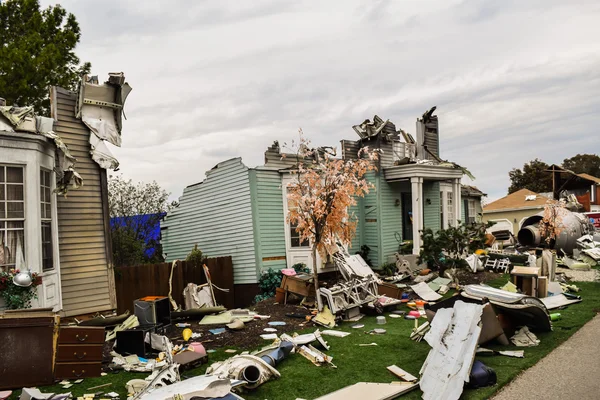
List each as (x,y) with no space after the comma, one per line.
(453,339)
(100,107)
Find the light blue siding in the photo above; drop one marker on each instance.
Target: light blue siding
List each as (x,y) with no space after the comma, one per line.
(431,212)
(371,218)
(267,199)
(391,217)
(217,215)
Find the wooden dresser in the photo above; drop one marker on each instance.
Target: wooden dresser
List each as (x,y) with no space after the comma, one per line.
(79,352)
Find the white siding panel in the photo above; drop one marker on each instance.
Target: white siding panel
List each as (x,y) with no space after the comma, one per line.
(217,216)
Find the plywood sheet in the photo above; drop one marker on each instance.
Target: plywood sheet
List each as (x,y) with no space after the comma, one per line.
(370,391)
(425,292)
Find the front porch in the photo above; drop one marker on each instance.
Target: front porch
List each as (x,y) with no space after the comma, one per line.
(417,174)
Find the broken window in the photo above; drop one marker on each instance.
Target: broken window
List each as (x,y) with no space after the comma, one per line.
(46,221)
(12,217)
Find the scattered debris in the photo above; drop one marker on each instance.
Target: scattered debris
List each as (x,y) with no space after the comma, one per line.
(425,292)
(325,318)
(558,301)
(315,356)
(402,374)
(524,338)
(371,391)
(453,339)
(340,334)
(507,353)
(367,344)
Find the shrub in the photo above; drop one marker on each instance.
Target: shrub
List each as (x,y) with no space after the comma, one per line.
(195,257)
(268,283)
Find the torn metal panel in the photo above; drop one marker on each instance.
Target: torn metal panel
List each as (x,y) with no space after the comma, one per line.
(453,339)
(100,107)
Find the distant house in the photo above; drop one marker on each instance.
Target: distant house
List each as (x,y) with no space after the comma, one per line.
(584,186)
(510,211)
(66,239)
(241,211)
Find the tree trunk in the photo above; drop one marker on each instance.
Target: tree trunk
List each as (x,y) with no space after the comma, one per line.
(316,278)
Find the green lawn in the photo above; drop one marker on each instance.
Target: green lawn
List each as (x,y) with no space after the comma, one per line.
(302,379)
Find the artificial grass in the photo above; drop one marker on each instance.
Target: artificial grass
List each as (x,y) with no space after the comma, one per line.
(301,379)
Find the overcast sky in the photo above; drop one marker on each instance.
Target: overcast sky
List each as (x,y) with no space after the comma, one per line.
(513,80)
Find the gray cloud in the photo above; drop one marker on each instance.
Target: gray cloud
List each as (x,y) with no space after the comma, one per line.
(213,80)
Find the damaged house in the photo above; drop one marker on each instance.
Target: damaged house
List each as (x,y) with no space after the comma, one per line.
(54,217)
(241,211)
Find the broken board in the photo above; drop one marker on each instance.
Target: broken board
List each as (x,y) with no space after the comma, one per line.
(371,391)
(402,374)
(554,302)
(424,291)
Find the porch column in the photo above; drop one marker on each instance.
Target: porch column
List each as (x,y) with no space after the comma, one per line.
(456,200)
(444,200)
(417,212)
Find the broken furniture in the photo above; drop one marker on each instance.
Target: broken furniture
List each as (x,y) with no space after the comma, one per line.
(359,286)
(300,284)
(526,280)
(132,341)
(79,352)
(152,310)
(27,348)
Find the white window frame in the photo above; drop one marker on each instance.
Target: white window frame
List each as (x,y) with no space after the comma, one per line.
(471,211)
(451,221)
(4,218)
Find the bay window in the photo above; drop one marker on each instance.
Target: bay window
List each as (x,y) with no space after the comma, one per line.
(12,217)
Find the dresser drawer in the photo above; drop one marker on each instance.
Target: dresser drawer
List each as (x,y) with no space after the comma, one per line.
(77,370)
(79,352)
(81,335)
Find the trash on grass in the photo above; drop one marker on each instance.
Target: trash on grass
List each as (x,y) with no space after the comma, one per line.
(524,338)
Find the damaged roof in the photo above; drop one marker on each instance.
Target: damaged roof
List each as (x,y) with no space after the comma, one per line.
(473,191)
(517,200)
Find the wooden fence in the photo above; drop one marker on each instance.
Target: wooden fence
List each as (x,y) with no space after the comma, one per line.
(138,281)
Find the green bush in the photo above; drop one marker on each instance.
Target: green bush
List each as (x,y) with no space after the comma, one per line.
(268,283)
(447,248)
(195,257)
(388,269)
